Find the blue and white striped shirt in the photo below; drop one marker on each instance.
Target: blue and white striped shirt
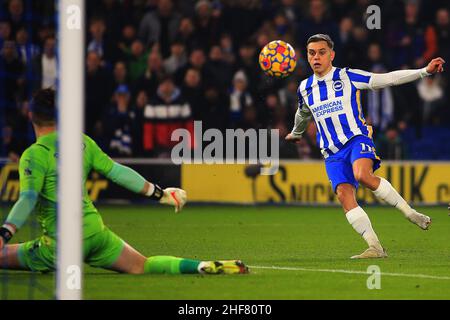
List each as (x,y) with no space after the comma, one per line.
(334,102)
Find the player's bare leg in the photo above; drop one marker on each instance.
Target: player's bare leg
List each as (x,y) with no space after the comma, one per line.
(130,261)
(9,258)
(382,189)
(346,194)
(359,220)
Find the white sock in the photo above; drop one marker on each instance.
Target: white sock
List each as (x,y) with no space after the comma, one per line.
(386,192)
(359,220)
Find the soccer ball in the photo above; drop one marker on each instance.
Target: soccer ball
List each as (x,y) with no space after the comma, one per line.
(277,59)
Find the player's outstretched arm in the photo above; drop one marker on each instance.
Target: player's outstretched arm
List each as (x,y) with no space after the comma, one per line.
(302,117)
(130,179)
(395,78)
(18,216)
(133,181)
(32,168)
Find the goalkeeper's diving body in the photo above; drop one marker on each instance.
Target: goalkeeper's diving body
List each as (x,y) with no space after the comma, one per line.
(331,96)
(101,247)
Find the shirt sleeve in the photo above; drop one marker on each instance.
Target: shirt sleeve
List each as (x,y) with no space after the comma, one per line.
(122,175)
(33,167)
(360,78)
(100,161)
(127,178)
(22,208)
(395,78)
(302,117)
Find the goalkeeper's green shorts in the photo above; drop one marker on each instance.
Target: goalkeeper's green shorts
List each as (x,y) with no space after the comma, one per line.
(100,250)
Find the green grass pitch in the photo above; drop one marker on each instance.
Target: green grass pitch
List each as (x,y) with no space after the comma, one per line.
(313,245)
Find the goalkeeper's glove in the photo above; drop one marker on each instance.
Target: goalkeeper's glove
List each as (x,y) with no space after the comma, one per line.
(172,196)
(175,197)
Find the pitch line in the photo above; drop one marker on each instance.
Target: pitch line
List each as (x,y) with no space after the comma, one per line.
(405,275)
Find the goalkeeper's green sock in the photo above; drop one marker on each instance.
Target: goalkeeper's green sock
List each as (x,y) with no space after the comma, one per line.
(170,265)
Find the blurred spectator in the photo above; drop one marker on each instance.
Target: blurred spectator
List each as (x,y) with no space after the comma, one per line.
(272,111)
(139,106)
(263,37)
(46,31)
(99,41)
(186,34)
(249,119)
(114,15)
(339,9)
(226,44)
(137,58)
(291,10)
(16,15)
(45,66)
(187,7)
(167,111)
(288,150)
(177,58)
(249,13)
(10,145)
(207,24)
(407,107)
(380,103)
(160,26)
(308,149)
(5,32)
(15,135)
(154,71)
(120,74)
(12,77)
(240,97)
(197,60)
(246,63)
(316,22)
(288,98)
(344,41)
(431,93)
(443,33)
(390,146)
(443,39)
(412,43)
(126,40)
(220,70)
(283,29)
(193,92)
(26,50)
(120,124)
(356,48)
(215,113)
(97,94)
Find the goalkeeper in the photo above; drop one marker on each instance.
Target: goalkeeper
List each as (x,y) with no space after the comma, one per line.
(101,247)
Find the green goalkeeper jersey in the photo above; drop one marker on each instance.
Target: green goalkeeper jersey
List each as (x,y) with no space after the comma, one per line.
(38,172)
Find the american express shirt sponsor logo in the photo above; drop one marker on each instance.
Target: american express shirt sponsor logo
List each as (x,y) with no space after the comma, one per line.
(328,108)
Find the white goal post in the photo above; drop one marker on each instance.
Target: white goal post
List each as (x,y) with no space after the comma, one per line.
(71,26)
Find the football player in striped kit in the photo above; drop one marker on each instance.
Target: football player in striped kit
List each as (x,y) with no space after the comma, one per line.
(331,96)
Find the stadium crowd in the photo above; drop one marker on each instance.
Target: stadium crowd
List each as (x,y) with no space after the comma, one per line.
(156,65)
